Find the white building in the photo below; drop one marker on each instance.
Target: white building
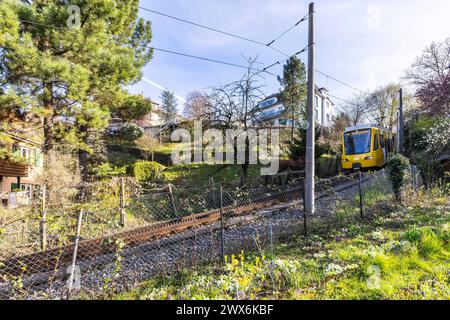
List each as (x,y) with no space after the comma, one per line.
(272,112)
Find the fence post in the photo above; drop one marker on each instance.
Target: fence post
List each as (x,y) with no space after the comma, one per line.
(305,230)
(214,199)
(222,236)
(122,202)
(43,224)
(172,200)
(74,255)
(271,239)
(360,195)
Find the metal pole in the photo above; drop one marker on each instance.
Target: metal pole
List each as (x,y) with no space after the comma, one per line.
(271,239)
(222,236)
(310,137)
(400,124)
(122,202)
(172,200)
(43,226)
(74,256)
(360,195)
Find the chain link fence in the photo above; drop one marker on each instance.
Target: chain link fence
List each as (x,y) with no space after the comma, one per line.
(92,240)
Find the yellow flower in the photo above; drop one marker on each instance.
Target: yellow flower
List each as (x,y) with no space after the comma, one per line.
(243,282)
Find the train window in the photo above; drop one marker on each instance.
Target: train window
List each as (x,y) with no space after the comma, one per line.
(376,141)
(357,142)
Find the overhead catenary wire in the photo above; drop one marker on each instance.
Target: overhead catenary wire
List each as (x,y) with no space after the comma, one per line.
(214,30)
(210,59)
(287,31)
(339,81)
(172,52)
(323,73)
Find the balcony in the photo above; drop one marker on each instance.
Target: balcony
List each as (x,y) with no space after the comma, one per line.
(10,169)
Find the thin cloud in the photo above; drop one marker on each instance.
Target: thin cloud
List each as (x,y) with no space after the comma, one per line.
(160,87)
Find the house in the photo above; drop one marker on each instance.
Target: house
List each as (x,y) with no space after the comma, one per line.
(21,168)
(157,118)
(272,112)
(153,123)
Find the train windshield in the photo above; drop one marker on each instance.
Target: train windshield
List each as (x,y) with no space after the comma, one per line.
(357,142)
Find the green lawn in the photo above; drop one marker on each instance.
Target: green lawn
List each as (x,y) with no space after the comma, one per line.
(395,253)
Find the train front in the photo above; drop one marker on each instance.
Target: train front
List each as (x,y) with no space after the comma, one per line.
(357,150)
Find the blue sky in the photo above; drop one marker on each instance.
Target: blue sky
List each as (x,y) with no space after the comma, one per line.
(364,43)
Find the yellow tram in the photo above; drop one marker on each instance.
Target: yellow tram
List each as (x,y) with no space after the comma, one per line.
(366,146)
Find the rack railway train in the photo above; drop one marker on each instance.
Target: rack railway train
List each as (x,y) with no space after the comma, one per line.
(366,147)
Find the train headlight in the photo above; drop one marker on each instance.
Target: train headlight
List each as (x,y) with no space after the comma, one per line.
(368,158)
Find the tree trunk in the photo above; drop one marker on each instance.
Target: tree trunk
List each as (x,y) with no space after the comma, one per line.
(246,165)
(48,134)
(292,131)
(83,155)
(47,102)
(48,129)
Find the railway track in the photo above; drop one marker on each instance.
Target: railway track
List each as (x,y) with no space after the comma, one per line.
(55,260)
(58,258)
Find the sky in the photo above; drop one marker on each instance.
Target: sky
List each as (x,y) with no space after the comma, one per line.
(365,44)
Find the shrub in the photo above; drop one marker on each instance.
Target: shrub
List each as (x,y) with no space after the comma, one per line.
(146,170)
(426,240)
(130,132)
(398,169)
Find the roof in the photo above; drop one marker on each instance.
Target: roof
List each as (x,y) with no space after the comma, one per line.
(362,127)
(22,139)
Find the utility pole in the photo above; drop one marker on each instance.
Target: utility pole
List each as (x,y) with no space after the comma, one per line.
(310,136)
(400,124)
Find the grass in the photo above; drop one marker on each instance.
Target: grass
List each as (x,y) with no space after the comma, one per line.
(200,173)
(394,253)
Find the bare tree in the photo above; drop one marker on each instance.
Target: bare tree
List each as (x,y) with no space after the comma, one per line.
(433,65)
(197,106)
(382,105)
(235,105)
(356,109)
(431,76)
(147,144)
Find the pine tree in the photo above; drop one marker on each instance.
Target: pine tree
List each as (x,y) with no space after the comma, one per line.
(72,61)
(294,89)
(168,105)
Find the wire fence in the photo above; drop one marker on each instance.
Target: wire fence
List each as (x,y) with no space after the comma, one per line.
(115,234)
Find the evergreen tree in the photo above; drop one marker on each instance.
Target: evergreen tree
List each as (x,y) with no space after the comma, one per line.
(72,62)
(297,148)
(294,89)
(168,105)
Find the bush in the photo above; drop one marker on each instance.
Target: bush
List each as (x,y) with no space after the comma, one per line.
(426,240)
(130,132)
(146,170)
(398,169)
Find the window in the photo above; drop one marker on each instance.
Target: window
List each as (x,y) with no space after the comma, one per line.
(37,158)
(26,154)
(268,103)
(357,142)
(376,141)
(328,118)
